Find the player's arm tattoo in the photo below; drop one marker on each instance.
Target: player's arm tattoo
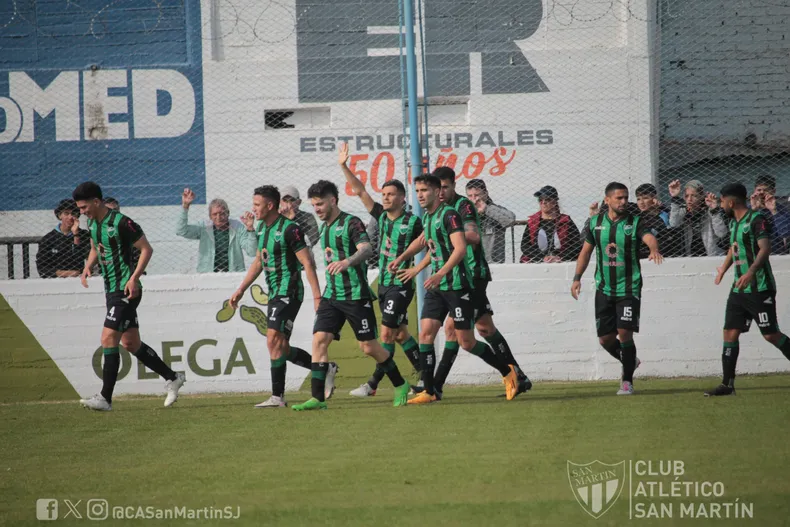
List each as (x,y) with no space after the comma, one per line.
(364,251)
(471,233)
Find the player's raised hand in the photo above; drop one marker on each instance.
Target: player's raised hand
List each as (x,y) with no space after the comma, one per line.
(86,273)
(342,154)
(769,200)
(337,267)
(594,209)
(187,198)
(235,298)
(711,200)
(674,188)
(404,275)
(248,220)
(576,288)
(656,257)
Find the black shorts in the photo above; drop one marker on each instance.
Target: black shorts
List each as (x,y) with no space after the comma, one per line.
(742,308)
(281,314)
(613,313)
(394,304)
(121,311)
(332,314)
(480,301)
(457,303)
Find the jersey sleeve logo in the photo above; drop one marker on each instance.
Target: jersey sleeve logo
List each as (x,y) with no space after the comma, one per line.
(454,222)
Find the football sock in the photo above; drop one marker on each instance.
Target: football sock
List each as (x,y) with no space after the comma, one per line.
(318,379)
(278,376)
(391,369)
(151,360)
(427,362)
(784,346)
(445,364)
(379,374)
(729,360)
(112,363)
(299,357)
(613,348)
(484,352)
(412,351)
(501,347)
(628,356)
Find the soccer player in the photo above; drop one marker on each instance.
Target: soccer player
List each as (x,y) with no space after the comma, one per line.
(397,230)
(480,276)
(282,253)
(347,295)
(449,288)
(616,236)
(113,235)
(753,294)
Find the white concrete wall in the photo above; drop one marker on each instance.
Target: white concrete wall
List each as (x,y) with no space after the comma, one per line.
(553,336)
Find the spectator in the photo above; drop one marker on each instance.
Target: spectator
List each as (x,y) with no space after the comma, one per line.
(656,217)
(289,207)
(494,220)
(550,236)
(221,239)
(775,209)
(63,250)
(699,217)
(114,204)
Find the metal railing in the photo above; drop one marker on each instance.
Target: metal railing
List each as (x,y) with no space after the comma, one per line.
(25,242)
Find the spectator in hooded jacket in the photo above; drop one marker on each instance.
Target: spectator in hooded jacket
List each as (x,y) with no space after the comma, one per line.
(550,236)
(63,250)
(494,220)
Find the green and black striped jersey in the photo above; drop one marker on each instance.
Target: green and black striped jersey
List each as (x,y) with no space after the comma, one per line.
(278,244)
(339,241)
(394,237)
(475,254)
(744,235)
(114,238)
(617,270)
(439,225)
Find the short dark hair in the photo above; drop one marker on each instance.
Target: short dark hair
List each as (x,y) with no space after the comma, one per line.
(444,174)
(614,185)
(479,184)
(111,201)
(766,180)
(87,190)
(429,179)
(269,192)
(67,205)
(734,190)
(323,189)
(395,183)
(647,189)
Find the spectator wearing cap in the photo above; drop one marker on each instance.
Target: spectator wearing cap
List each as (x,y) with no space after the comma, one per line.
(775,209)
(494,220)
(63,250)
(550,236)
(222,239)
(699,217)
(289,207)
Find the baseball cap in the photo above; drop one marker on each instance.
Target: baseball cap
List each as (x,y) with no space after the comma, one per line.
(290,191)
(547,192)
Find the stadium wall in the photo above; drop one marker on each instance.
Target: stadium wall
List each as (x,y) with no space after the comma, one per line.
(552,335)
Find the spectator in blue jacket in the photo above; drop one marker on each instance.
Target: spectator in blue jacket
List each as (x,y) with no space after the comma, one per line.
(222,239)
(775,208)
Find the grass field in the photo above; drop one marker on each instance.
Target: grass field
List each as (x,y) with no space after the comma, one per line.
(473,459)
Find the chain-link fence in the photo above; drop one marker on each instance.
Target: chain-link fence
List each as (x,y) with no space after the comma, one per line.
(540,103)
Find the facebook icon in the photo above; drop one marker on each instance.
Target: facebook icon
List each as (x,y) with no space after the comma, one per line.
(46,509)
